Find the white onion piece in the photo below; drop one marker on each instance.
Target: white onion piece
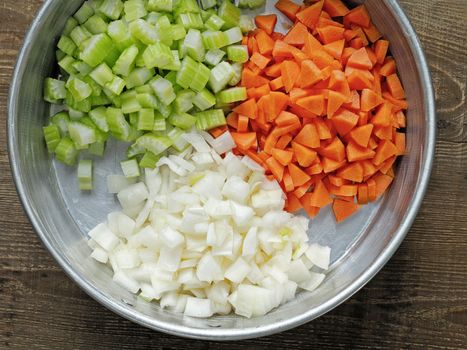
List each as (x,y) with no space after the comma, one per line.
(100,255)
(102,235)
(319,255)
(196,307)
(117,183)
(197,141)
(133,195)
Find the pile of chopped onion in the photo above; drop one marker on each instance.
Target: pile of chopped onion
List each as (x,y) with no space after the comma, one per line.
(205,235)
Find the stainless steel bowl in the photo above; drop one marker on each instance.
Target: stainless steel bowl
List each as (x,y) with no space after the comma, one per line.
(62,216)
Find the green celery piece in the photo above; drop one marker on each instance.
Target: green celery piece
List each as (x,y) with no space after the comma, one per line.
(82,68)
(146,100)
(130,168)
(66,151)
(70,24)
(97,149)
(238,53)
(134,9)
(84,12)
(99,117)
(163,27)
(154,144)
(246,24)
(153,17)
(102,74)
(135,150)
(220,76)
(85,174)
(95,4)
(182,120)
(157,55)
(116,85)
(165,110)
(211,119)
(146,119)
(111,8)
(79,35)
(204,100)
(112,56)
(67,45)
(101,100)
(201,78)
(190,20)
(54,90)
(66,64)
(207,4)
(59,55)
(214,23)
(176,64)
(96,90)
(96,25)
(126,61)
(144,89)
(229,13)
(160,5)
(52,137)
(95,49)
(82,106)
(214,56)
(143,31)
(61,119)
(177,32)
(100,136)
(194,46)
(215,40)
(163,90)
(184,101)
(78,88)
(134,119)
(232,95)
(160,124)
(75,115)
(237,77)
(120,33)
(187,72)
(179,143)
(81,134)
(130,103)
(149,160)
(139,77)
(251,4)
(186,6)
(118,125)
(234,35)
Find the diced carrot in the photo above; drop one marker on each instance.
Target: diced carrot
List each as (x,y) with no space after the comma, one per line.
(359,59)
(252,45)
(359,16)
(308,136)
(288,183)
(265,42)
(335,48)
(397,105)
(335,101)
(338,83)
(290,72)
(395,86)
(245,140)
(321,58)
(282,50)
(288,8)
(320,196)
(283,157)
(352,172)
(299,177)
(358,81)
(344,121)
(363,118)
(248,108)
(356,152)
(400,117)
(336,181)
(335,8)
(310,15)
(260,60)
(273,71)
(276,168)
(314,104)
(360,34)
(362,196)
(242,125)
(310,74)
(372,33)
(383,132)
(383,115)
(400,143)
(301,190)
(293,203)
(323,130)
(250,79)
(388,68)
(385,150)
(286,118)
(283,141)
(343,209)
(344,190)
(232,120)
(216,132)
(296,35)
(309,209)
(311,44)
(361,135)
(334,150)
(305,156)
(382,183)
(266,23)
(387,165)
(381,50)
(370,100)
(276,84)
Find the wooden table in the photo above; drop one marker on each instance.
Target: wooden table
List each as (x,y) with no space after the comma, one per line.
(418,300)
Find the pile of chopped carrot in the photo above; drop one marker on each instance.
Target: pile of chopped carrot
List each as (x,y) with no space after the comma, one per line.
(324,107)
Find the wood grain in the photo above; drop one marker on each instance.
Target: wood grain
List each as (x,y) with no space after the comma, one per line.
(418,300)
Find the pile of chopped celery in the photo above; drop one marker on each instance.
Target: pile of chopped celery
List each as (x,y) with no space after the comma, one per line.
(143,72)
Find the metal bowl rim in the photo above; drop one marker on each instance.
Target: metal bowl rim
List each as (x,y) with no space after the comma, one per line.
(219,333)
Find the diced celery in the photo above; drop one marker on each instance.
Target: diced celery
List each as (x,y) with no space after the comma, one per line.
(135,150)
(70,24)
(67,45)
(210,119)
(182,120)
(160,5)
(246,24)
(144,89)
(61,119)
(139,77)
(134,119)
(112,56)
(214,56)
(66,151)
(163,28)
(146,119)
(95,4)
(96,25)
(186,6)
(149,160)
(59,55)
(66,63)
(85,174)
(165,110)
(118,125)
(179,143)
(231,95)
(229,13)
(75,114)
(214,23)
(54,90)
(81,134)
(120,33)
(99,117)
(159,124)
(147,100)
(177,32)
(102,74)
(112,8)
(190,20)
(116,85)
(184,101)
(100,136)
(152,17)
(251,4)
(78,88)
(96,90)
(194,45)
(82,106)
(51,136)
(238,68)
(215,40)
(157,55)
(134,9)
(84,12)
(201,78)
(176,64)
(220,76)
(187,72)
(207,4)
(204,100)
(97,148)
(234,35)
(163,90)
(144,32)
(83,68)
(95,49)
(154,144)
(130,103)
(130,168)
(126,61)
(79,34)
(101,100)
(238,53)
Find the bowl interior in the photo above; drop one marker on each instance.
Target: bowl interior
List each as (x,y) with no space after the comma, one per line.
(62,215)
